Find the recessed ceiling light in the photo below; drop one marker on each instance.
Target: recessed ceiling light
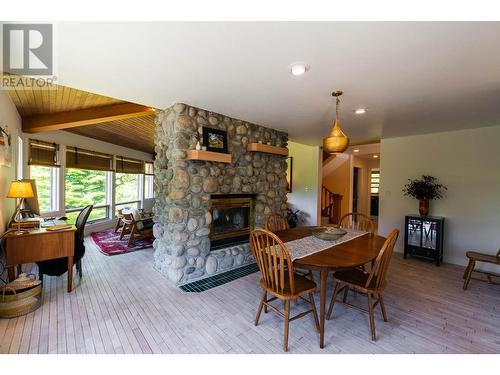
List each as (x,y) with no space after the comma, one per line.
(297,69)
(375,156)
(360,111)
(356,150)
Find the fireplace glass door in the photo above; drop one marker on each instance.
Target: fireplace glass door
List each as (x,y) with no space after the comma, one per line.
(232,221)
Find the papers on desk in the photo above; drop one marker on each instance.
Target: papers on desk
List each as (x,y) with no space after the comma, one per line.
(58,227)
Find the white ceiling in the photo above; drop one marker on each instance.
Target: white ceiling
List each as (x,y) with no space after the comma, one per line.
(413,77)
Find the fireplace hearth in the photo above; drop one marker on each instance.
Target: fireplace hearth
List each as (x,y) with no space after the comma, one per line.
(232,219)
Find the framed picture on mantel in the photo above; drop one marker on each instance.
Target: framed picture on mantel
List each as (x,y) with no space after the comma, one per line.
(215,140)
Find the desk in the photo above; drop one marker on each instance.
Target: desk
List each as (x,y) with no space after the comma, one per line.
(38,245)
(344,256)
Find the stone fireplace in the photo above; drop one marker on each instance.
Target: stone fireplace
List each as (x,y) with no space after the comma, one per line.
(204,210)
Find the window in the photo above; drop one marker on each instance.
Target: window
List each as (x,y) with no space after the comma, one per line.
(83,187)
(127,190)
(148,187)
(148,180)
(375,181)
(47,186)
(20,158)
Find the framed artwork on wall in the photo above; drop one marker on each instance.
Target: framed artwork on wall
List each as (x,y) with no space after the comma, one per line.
(5,149)
(215,140)
(289,178)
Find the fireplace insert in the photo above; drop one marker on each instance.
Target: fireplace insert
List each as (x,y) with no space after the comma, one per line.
(232,219)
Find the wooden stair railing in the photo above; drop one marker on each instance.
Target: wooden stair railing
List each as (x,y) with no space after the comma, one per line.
(330,205)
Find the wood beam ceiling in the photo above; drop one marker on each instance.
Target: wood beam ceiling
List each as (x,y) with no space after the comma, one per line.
(83,117)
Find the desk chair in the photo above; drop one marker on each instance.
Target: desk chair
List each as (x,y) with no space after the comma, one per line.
(57,267)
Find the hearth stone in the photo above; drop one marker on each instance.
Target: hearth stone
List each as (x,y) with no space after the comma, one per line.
(183,189)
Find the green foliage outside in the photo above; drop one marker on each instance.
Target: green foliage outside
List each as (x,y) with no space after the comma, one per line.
(126,187)
(84,187)
(42,176)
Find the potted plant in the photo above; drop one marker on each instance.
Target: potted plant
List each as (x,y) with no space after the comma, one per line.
(424,190)
(292,217)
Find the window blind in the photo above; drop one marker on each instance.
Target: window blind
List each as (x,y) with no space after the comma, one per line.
(86,159)
(148,168)
(128,165)
(43,153)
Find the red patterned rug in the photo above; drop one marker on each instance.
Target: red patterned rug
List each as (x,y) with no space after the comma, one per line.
(109,243)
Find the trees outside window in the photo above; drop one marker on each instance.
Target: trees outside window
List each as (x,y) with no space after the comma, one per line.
(127,190)
(46,185)
(84,187)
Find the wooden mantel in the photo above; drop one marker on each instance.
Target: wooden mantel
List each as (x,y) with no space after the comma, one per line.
(209,156)
(268,149)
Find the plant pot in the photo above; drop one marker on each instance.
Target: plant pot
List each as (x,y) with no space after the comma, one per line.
(423,207)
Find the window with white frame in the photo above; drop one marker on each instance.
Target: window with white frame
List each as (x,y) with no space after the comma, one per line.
(83,187)
(20,159)
(375,181)
(47,183)
(148,180)
(44,169)
(127,190)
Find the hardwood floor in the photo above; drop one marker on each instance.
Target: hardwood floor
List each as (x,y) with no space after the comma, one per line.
(122,305)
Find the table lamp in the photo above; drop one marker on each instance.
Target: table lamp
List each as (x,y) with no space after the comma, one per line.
(19,189)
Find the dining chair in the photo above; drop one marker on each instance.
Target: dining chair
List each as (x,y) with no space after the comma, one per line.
(275,221)
(474,257)
(279,280)
(357,221)
(371,283)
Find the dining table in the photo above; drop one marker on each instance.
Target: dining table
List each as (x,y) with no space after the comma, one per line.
(339,257)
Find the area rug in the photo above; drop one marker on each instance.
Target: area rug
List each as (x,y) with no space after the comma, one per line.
(109,243)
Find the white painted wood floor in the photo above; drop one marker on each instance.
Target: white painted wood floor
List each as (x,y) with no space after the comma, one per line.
(122,305)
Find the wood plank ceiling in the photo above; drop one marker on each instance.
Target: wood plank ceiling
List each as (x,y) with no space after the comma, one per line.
(135,133)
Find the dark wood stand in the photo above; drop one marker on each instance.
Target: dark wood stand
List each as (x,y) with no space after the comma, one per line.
(424,237)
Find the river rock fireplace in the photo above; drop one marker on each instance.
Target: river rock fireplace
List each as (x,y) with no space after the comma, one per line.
(205,210)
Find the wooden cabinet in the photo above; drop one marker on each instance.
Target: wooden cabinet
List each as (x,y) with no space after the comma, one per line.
(424,237)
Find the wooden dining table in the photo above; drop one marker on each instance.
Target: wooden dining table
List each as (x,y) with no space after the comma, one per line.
(347,255)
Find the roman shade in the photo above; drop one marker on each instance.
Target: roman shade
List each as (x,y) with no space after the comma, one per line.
(43,153)
(86,159)
(128,165)
(148,169)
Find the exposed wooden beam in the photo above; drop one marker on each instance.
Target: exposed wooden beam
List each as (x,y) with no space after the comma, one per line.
(82,117)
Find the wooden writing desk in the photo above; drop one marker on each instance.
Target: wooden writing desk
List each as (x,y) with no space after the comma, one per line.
(38,245)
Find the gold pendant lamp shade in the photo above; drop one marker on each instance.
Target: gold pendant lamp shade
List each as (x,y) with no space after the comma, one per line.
(336,142)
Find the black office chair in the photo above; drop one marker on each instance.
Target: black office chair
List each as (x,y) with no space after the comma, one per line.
(57,267)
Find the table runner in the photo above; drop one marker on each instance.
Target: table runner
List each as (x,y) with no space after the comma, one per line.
(309,245)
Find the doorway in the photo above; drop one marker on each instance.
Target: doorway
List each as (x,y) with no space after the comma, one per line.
(355,188)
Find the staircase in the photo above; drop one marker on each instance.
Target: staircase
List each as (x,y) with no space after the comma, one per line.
(330,206)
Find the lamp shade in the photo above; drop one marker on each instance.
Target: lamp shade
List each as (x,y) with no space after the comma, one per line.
(20,189)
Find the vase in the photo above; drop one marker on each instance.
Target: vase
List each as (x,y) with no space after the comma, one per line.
(423,207)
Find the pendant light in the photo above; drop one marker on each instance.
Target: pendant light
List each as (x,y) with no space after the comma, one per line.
(336,142)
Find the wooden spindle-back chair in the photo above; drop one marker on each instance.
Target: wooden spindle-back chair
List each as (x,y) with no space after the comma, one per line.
(275,222)
(371,283)
(279,280)
(357,221)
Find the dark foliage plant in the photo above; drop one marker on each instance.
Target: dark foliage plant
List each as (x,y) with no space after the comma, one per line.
(425,188)
(292,217)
